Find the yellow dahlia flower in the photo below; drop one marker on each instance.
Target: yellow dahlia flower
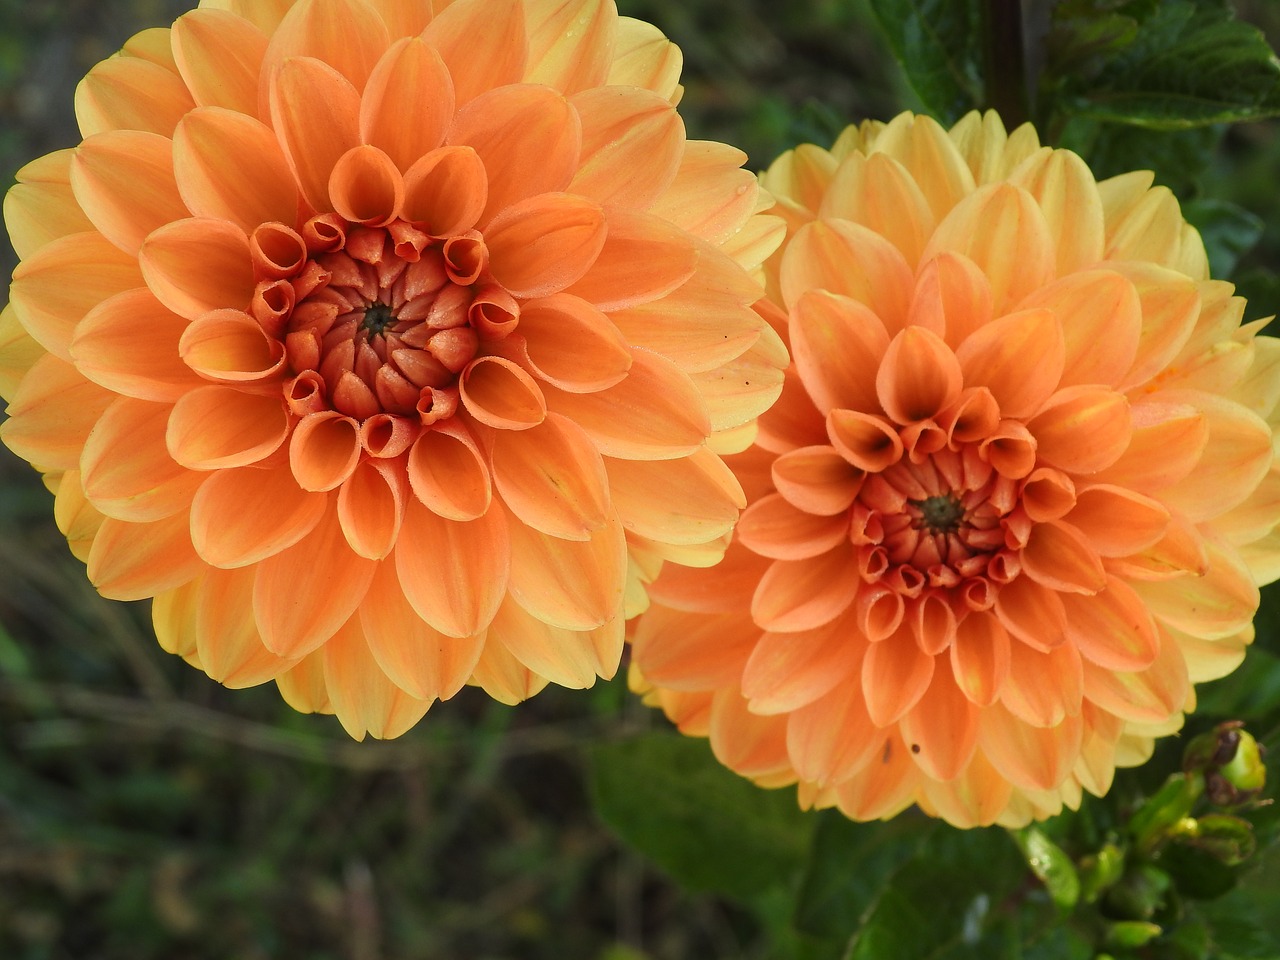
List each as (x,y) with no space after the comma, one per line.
(1017,497)
(362,337)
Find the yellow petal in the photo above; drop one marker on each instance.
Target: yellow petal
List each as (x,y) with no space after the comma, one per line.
(361,694)
(40,207)
(569,658)
(129,93)
(132,561)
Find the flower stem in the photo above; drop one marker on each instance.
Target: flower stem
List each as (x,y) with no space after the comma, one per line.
(1005,55)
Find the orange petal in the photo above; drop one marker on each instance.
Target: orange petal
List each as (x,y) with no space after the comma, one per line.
(787,671)
(231,347)
(123,180)
(1059,556)
(1118,522)
(817,480)
(129,344)
(302,685)
(941,730)
(404,19)
(700,504)
(879,193)
(980,657)
(748,744)
(655,412)
(1001,229)
(499,674)
(952,298)
(552,478)
(803,594)
(569,658)
(360,692)
(1153,695)
(895,675)
(229,166)
(500,394)
(347,35)
(710,197)
(129,93)
(835,342)
(305,593)
(1112,629)
(1067,195)
(220,58)
(483,42)
(227,639)
(921,145)
(194,266)
(125,469)
(572,345)
(454,574)
(1042,689)
(133,561)
(1048,494)
(1032,613)
(833,738)
(573,584)
(446,191)
(448,474)
(571,44)
(324,450)
(1082,429)
(371,507)
(1031,758)
(919,376)
(528,136)
(1236,456)
(643,259)
(215,426)
(775,528)
(52,291)
(40,207)
(408,104)
(1166,444)
(737,392)
(1101,319)
(315,112)
(245,515)
(1219,603)
(1018,358)
(845,258)
(725,587)
(1170,306)
(683,651)
(632,145)
(52,413)
(865,441)
(366,187)
(419,659)
(544,244)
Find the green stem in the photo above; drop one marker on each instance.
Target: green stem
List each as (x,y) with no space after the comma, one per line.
(1006,67)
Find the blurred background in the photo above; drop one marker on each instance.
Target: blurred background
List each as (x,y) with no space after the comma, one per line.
(147,812)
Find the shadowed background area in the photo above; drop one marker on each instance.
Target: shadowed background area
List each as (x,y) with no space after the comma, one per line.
(147,812)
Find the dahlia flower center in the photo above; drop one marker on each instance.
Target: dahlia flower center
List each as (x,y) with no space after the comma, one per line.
(940,514)
(376,319)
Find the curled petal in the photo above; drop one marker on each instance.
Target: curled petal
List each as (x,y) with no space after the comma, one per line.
(324,450)
(366,187)
(447,473)
(919,376)
(817,480)
(371,507)
(500,394)
(445,191)
(867,442)
(572,344)
(230,346)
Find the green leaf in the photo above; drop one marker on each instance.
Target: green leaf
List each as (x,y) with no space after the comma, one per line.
(1189,64)
(939,45)
(709,828)
(1251,692)
(1178,158)
(1051,866)
(1228,231)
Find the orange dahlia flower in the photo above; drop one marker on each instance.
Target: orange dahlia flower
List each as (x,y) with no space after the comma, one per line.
(1017,496)
(363,337)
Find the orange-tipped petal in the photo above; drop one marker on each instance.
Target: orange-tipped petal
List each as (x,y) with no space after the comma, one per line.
(1101,319)
(242,516)
(1112,629)
(125,469)
(347,35)
(867,442)
(1042,689)
(1118,522)
(701,503)
(502,395)
(787,671)
(194,266)
(575,584)
(52,413)
(324,450)
(484,44)
(219,56)
(129,343)
(363,697)
(1082,429)
(418,658)
(803,594)
(552,478)
(215,426)
(544,244)
(407,105)
(919,376)
(573,345)
(132,561)
(571,44)
(305,593)
(123,180)
(836,342)
(313,139)
(453,573)
(129,93)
